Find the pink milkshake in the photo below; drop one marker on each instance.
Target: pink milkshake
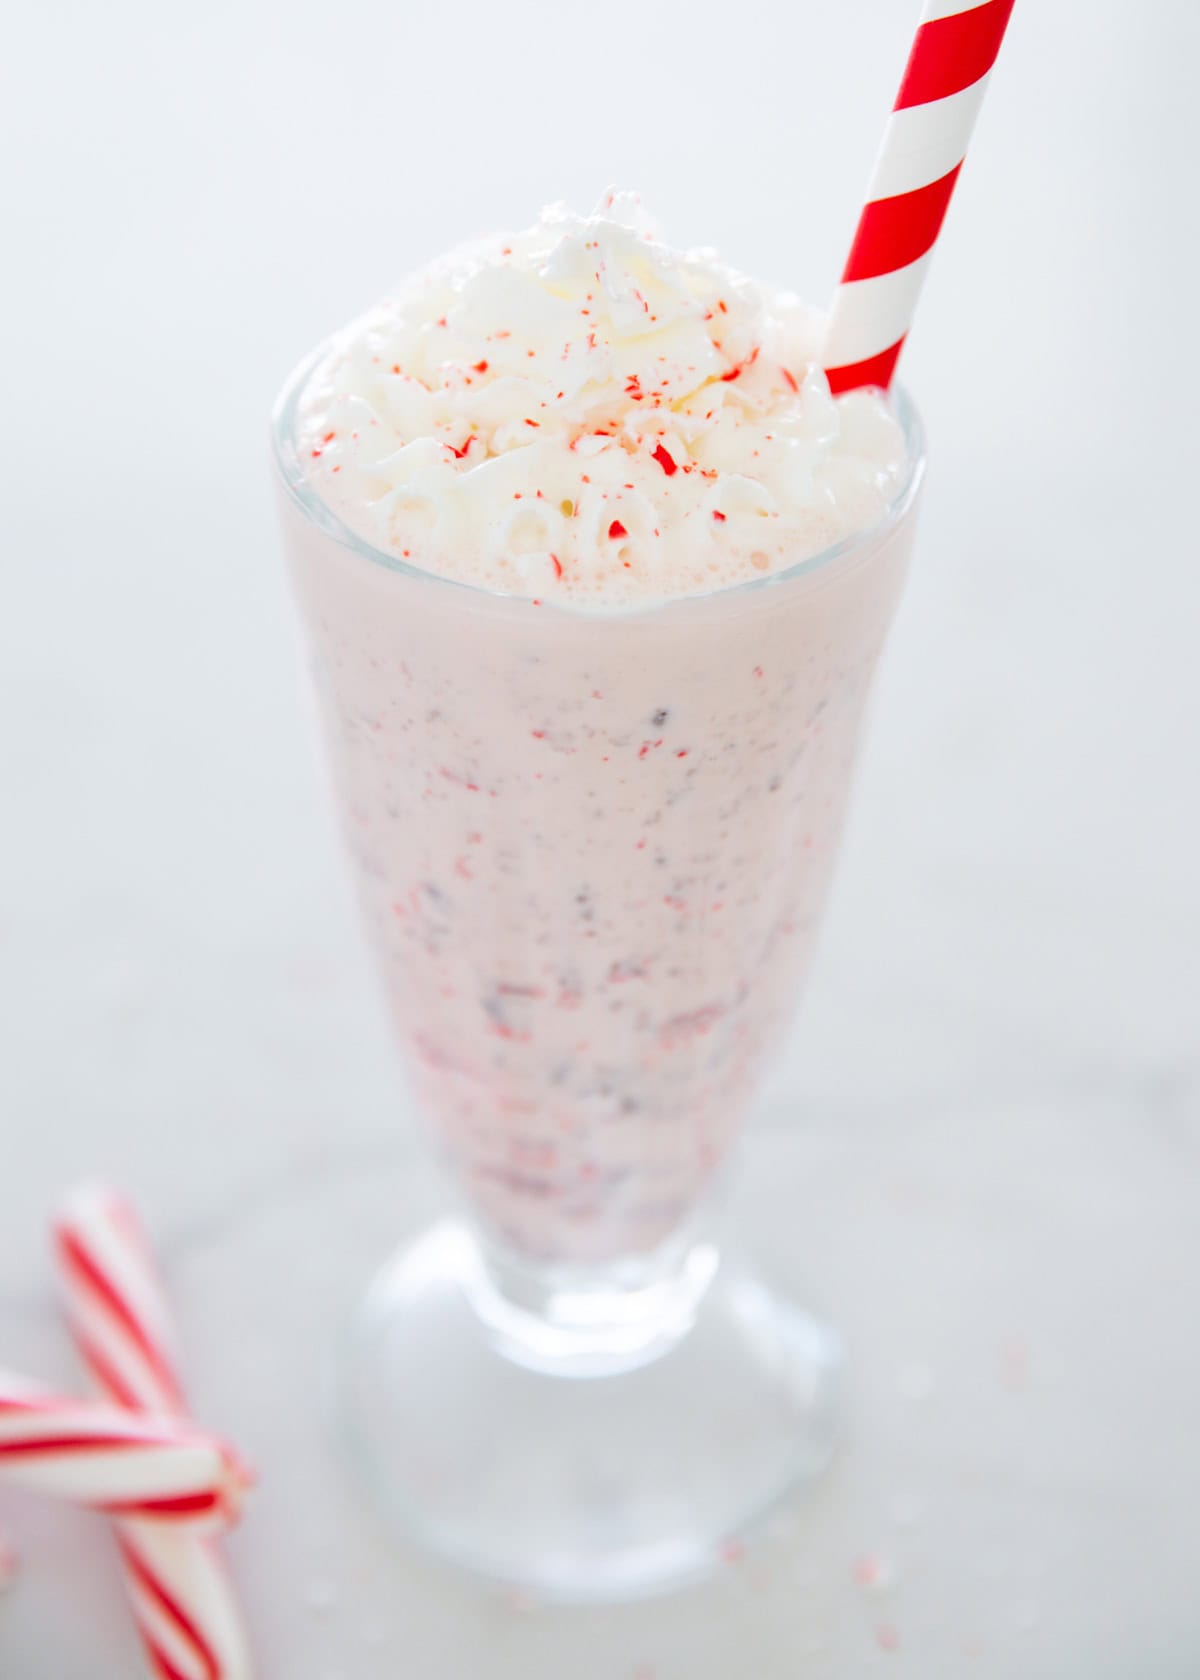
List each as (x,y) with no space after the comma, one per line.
(595,573)
(593,850)
(591,716)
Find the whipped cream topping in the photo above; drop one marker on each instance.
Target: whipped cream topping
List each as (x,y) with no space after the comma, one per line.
(578,413)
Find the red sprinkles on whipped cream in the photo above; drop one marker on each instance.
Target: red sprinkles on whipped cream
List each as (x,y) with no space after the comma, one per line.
(666,415)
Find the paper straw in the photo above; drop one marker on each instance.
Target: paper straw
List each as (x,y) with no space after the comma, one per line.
(915,173)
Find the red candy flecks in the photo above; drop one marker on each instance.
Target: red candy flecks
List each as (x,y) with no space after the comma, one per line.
(666,460)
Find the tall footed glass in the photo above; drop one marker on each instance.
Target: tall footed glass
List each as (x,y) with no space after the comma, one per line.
(593,848)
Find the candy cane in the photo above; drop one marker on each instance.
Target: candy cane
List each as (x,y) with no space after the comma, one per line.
(179,1590)
(99,1456)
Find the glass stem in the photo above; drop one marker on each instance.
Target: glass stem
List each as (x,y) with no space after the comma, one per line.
(589,1321)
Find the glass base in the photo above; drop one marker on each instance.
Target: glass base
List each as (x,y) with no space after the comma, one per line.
(571,1454)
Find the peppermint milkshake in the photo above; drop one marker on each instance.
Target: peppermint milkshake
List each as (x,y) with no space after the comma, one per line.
(595,573)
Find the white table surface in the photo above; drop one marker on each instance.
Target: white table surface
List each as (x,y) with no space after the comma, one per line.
(981,1154)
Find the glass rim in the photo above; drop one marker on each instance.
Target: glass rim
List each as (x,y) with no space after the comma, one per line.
(296,483)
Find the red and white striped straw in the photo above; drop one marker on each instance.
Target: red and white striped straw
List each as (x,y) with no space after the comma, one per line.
(99,1456)
(922,152)
(179,1589)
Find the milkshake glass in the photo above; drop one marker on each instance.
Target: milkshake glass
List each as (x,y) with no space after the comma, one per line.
(593,845)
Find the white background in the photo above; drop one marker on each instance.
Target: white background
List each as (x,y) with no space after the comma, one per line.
(983,1147)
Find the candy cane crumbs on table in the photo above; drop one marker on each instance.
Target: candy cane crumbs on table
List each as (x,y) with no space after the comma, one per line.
(873,1571)
(918,165)
(160,1469)
(179,1589)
